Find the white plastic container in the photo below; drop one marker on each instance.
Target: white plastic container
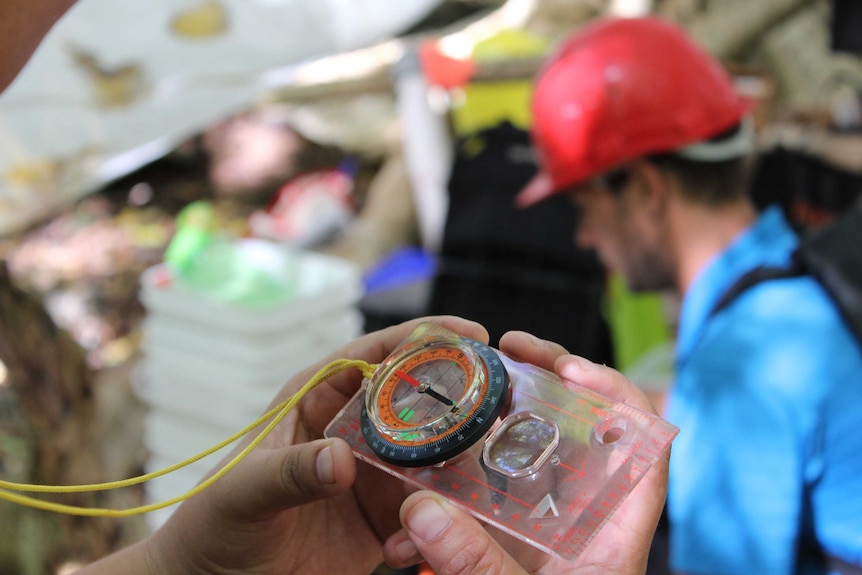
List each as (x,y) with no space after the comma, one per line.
(211,368)
(323,284)
(299,343)
(224,408)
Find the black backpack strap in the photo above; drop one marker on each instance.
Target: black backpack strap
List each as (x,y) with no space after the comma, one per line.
(833,255)
(754,277)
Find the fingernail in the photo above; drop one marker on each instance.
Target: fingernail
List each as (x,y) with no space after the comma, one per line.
(542,343)
(575,367)
(427,520)
(582,363)
(534,340)
(325,466)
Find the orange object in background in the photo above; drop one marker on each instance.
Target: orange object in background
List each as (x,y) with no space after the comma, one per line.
(442,70)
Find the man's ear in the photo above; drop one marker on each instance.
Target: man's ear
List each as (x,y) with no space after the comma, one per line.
(653,186)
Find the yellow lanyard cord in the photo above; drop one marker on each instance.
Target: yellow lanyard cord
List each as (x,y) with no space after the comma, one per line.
(277,414)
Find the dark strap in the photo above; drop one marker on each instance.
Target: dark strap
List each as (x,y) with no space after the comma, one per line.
(833,255)
(754,277)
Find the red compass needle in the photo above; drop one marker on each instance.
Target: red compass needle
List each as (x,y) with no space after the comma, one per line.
(408,378)
(426,389)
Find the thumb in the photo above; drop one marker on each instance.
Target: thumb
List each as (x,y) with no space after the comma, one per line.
(288,477)
(450,540)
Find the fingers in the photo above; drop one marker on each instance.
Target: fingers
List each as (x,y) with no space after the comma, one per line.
(450,540)
(400,552)
(530,349)
(275,479)
(375,346)
(609,382)
(308,472)
(553,357)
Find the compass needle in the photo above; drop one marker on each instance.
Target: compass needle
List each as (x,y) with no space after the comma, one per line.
(441,398)
(406,377)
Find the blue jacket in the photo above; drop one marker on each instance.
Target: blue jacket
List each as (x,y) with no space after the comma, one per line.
(768,399)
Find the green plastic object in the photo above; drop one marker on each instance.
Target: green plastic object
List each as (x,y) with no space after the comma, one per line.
(637,321)
(195,231)
(233,271)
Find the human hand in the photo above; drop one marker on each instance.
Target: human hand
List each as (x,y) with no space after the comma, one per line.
(453,542)
(297,503)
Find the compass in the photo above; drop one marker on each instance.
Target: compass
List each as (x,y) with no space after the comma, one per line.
(433,400)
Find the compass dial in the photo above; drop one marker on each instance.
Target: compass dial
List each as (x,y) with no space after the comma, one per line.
(434,401)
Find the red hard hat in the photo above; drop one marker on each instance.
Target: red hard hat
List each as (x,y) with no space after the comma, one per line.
(620,89)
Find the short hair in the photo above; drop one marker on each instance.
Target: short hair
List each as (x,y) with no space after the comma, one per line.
(711,183)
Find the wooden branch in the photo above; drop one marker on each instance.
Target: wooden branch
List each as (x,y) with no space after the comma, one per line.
(729,29)
(380,80)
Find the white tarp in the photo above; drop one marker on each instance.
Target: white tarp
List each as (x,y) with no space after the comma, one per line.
(118,83)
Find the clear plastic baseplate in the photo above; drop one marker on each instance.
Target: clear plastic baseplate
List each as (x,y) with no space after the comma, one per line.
(577,456)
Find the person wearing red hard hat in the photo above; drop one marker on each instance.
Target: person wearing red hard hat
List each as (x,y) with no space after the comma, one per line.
(646,134)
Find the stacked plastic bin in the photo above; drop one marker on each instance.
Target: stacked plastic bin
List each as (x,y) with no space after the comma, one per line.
(211,367)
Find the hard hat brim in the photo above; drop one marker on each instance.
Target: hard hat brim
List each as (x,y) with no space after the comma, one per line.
(741,144)
(541,186)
